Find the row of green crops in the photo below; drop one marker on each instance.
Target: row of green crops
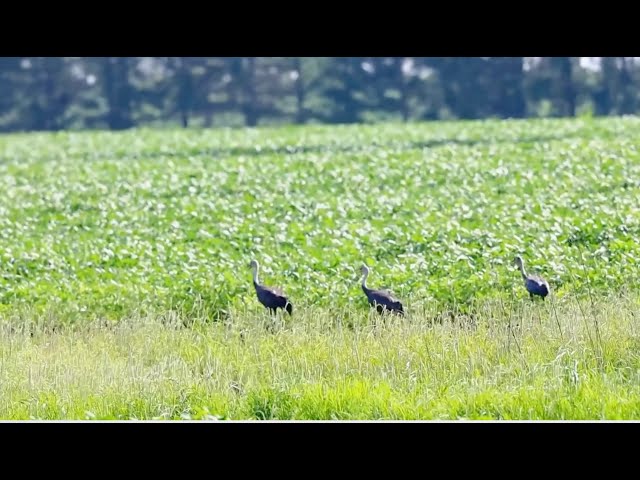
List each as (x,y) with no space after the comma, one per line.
(106,223)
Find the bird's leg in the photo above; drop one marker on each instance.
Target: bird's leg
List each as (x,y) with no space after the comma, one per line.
(270,321)
(531,296)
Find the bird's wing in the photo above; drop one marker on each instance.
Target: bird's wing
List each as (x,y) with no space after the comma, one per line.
(276,292)
(537,284)
(537,279)
(384,295)
(390,294)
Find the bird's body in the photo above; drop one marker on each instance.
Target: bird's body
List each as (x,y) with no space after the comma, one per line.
(271,297)
(534,284)
(380,299)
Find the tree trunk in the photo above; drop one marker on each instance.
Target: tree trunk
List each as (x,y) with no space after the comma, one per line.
(567,89)
(249,105)
(403,87)
(607,90)
(301,113)
(627,97)
(515,105)
(117,91)
(185,92)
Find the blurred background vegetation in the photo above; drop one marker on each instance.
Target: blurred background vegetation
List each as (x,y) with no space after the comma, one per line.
(56,93)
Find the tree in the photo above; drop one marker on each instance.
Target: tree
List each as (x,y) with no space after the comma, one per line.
(464,83)
(564,92)
(344,89)
(117,91)
(505,83)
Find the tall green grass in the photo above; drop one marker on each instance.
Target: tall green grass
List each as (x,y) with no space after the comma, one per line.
(125,292)
(503,361)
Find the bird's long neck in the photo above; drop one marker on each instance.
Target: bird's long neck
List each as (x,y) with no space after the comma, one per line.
(364,280)
(255,275)
(524,274)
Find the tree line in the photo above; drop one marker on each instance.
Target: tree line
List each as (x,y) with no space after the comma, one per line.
(56,93)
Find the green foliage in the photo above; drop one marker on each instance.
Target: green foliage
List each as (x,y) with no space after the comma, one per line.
(125,291)
(104,224)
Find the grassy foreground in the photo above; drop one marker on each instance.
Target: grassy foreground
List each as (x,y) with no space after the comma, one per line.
(562,360)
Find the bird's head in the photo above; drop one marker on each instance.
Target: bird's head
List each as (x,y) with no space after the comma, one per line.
(517,261)
(364,269)
(253,264)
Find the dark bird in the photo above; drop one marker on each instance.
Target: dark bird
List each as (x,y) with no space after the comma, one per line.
(535,285)
(380,299)
(270,297)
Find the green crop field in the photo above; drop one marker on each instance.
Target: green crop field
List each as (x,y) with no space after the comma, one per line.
(125,290)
